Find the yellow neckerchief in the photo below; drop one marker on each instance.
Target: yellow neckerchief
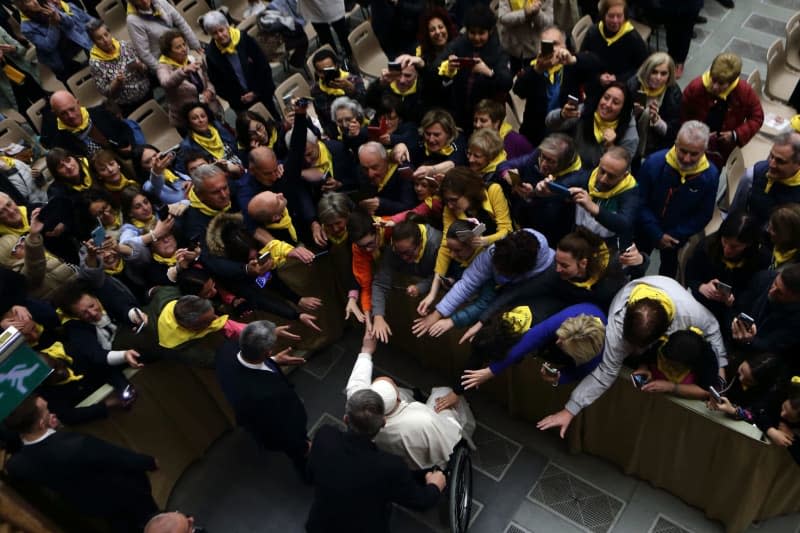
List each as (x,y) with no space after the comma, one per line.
(333,91)
(325,161)
(731,265)
(724,94)
(795,122)
(273,137)
(492,166)
(418,51)
(169,261)
(791,181)
(674,372)
(213,145)
(398,92)
(146,225)
(278,252)
(117,222)
(389,173)
(642,291)
(604,256)
(779,258)
(123,182)
(96,53)
(430,199)
(284,223)
(169,176)
(9,161)
(8,230)
(505,129)
(56,351)
(133,11)
(236,35)
(198,204)
(422,241)
(14,75)
(171,62)
(628,182)
(338,240)
(82,126)
(552,72)
(171,334)
(520,319)
(87,177)
(672,160)
(601,125)
(652,93)
(116,269)
(574,167)
(627,27)
(446,151)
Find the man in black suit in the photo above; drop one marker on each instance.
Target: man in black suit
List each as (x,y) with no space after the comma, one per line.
(97,478)
(356,483)
(264,401)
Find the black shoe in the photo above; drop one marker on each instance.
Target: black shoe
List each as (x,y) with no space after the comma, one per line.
(700,19)
(727,3)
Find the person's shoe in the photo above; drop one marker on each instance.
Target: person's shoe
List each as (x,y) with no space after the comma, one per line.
(700,19)
(727,3)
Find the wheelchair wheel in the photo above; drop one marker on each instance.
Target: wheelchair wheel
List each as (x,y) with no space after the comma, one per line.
(460,490)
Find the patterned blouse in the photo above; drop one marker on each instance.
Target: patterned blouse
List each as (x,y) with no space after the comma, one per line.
(136,84)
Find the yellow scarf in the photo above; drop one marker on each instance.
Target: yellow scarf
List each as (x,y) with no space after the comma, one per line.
(389,173)
(724,94)
(170,176)
(628,182)
(444,69)
(422,242)
(652,93)
(674,372)
(171,62)
(87,177)
(169,261)
(520,319)
(791,181)
(398,92)
(446,151)
(133,11)
(574,167)
(117,222)
(123,182)
(236,35)
(492,166)
(56,351)
(171,334)
(333,91)
(325,161)
(144,225)
(505,129)
(731,265)
(14,75)
(278,251)
(213,145)
(642,291)
(672,160)
(601,125)
(552,72)
(8,230)
(82,126)
(338,240)
(795,122)
(198,204)
(604,256)
(779,258)
(284,223)
(116,269)
(516,5)
(418,51)
(96,53)
(627,27)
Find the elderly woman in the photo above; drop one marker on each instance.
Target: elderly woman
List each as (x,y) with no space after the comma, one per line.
(117,71)
(441,147)
(184,77)
(351,123)
(657,104)
(484,153)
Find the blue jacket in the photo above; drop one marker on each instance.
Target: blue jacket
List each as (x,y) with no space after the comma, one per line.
(48,38)
(481,270)
(669,206)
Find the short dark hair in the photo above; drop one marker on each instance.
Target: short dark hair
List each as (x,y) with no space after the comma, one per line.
(765,368)
(364,411)
(191,281)
(189,309)
(165,41)
(516,254)
(323,54)
(69,295)
(191,106)
(24,418)
(645,321)
(494,340)
(359,225)
(480,16)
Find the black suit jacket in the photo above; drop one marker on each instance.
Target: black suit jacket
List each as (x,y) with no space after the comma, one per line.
(265,403)
(96,477)
(355,484)
(117,132)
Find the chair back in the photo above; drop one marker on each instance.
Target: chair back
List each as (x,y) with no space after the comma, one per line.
(367,50)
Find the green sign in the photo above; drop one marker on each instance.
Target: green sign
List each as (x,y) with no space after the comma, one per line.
(21,371)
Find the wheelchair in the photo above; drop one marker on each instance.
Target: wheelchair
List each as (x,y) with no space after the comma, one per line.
(459,488)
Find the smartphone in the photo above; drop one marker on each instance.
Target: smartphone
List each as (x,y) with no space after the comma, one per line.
(170,150)
(467,62)
(746,320)
(639,380)
(573,100)
(714,394)
(548,48)
(513,175)
(374,132)
(320,254)
(162,212)
(141,325)
(263,258)
(394,66)
(629,249)
(724,288)
(641,98)
(329,74)
(549,369)
(558,189)
(98,235)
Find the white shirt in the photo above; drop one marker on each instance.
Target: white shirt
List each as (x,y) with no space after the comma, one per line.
(47,433)
(260,366)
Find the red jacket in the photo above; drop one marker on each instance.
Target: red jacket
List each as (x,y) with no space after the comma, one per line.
(744,115)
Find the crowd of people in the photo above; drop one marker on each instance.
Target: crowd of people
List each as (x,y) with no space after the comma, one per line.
(121,253)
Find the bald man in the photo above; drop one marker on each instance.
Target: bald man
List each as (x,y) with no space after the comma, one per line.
(269,210)
(174,522)
(84,131)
